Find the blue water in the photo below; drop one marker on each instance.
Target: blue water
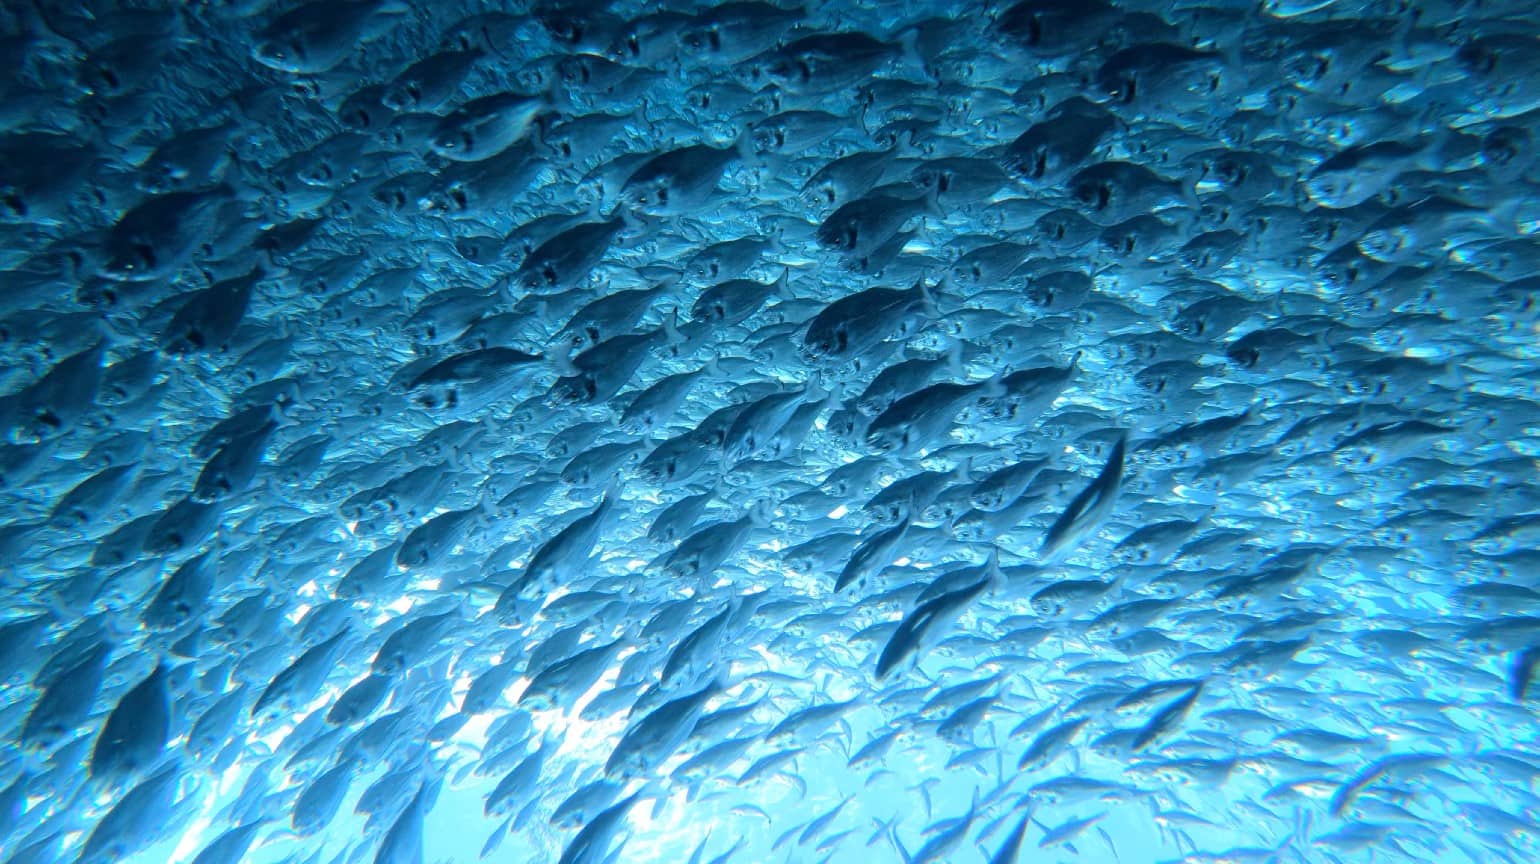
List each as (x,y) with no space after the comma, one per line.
(302,346)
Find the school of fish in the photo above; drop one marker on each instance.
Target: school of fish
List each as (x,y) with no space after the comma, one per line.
(609,431)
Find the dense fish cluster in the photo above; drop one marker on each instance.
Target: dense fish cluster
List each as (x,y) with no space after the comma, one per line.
(615,431)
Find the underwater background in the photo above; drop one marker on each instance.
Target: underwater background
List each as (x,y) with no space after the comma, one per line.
(1054,431)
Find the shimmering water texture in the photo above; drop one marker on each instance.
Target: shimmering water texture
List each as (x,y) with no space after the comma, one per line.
(866,432)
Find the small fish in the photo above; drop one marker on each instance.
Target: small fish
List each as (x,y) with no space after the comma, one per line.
(923,625)
(1088,508)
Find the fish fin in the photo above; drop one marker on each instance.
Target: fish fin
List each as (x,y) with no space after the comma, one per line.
(612,489)
(994,387)
(996,575)
(909,52)
(783,284)
(954,359)
(563,364)
(671,334)
(929,296)
(932,201)
(743,145)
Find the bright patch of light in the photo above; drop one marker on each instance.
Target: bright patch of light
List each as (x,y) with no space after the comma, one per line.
(587,738)
(191,840)
(774,660)
(475,729)
(515,690)
(272,738)
(838,512)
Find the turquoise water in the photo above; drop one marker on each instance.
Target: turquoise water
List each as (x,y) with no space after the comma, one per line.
(866,432)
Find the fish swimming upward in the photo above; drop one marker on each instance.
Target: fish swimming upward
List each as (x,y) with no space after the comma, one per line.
(759,431)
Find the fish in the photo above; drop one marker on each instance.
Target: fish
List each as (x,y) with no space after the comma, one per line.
(1088,508)
(136,731)
(746,430)
(921,625)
